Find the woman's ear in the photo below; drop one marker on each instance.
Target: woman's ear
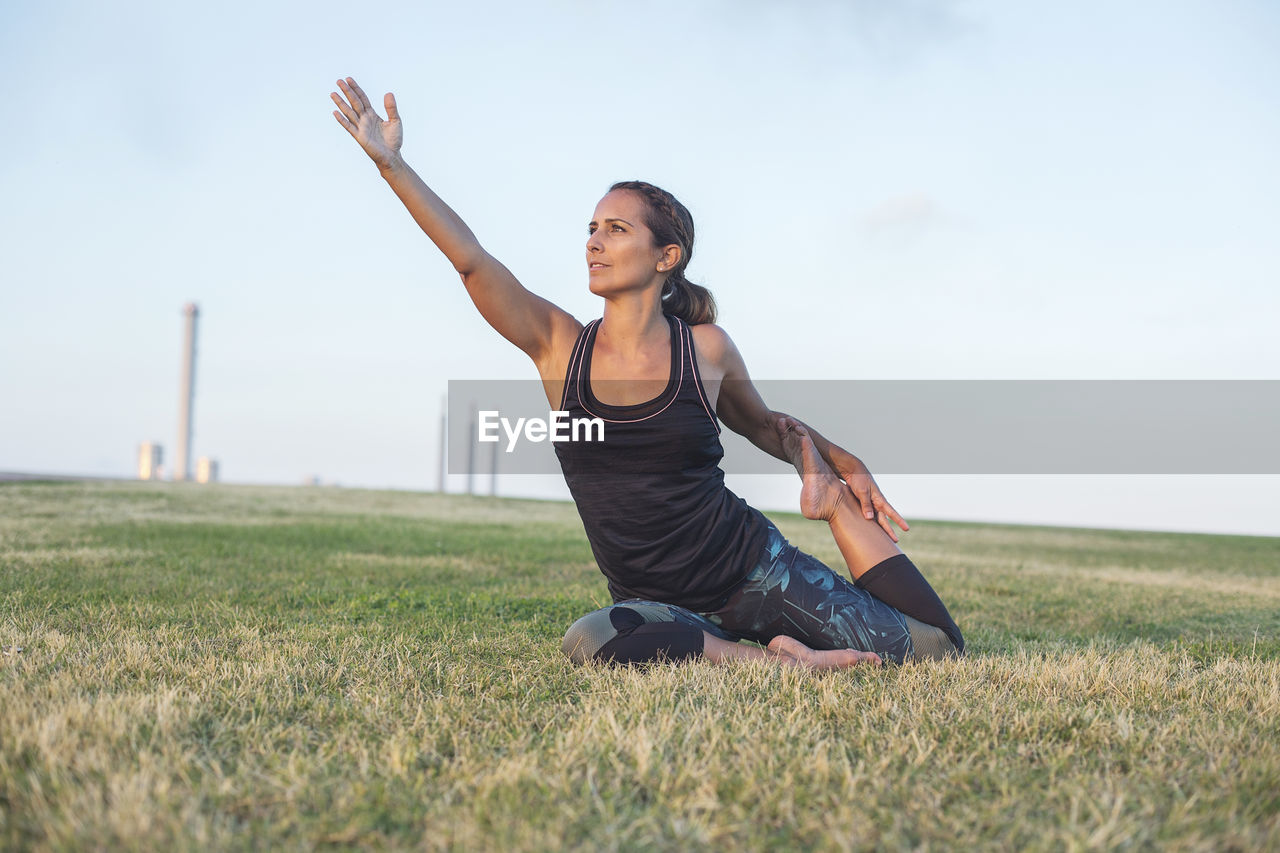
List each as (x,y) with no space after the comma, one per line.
(669,258)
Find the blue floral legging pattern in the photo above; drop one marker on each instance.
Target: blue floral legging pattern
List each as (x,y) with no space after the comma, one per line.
(788,592)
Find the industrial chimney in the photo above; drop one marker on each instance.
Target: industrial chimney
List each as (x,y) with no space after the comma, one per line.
(187,394)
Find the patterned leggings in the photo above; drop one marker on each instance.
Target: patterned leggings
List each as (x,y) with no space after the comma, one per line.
(787,592)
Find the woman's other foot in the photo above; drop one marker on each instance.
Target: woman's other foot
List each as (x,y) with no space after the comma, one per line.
(793,651)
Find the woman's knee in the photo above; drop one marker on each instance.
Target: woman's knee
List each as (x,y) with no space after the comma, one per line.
(638,633)
(586,636)
(929,642)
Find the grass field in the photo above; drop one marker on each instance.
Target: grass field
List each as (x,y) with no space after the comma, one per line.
(234,667)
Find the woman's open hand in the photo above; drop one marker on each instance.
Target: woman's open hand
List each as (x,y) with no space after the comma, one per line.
(872,501)
(380,139)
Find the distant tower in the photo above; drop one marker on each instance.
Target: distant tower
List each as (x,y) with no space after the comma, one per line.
(444,447)
(187,394)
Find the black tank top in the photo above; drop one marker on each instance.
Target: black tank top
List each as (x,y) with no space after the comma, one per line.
(661,523)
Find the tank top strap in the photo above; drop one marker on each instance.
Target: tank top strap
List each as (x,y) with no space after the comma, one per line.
(575,362)
(689,367)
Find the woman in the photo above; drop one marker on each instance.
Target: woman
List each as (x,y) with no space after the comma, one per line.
(693,570)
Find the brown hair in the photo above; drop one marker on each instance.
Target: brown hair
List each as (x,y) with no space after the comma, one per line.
(671,223)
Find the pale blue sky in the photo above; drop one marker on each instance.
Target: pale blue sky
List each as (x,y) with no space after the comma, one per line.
(882,190)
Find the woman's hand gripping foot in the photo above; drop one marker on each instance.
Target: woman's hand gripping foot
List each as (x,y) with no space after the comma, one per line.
(823,491)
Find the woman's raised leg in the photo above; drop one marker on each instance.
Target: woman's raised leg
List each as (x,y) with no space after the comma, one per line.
(875,562)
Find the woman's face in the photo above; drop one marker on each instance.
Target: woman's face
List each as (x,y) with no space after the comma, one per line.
(620,251)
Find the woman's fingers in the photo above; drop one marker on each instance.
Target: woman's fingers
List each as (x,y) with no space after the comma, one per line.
(352,98)
(886,526)
(389,101)
(883,506)
(875,507)
(364,99)
(347,125)
(887,516)
(359,102)
(862,491)
(347,113)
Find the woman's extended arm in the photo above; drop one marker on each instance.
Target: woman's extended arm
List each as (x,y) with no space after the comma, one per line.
(742,410)
(533,324)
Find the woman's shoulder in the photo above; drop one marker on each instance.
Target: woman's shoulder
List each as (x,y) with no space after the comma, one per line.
(709,336)
(716,352)
(712,342)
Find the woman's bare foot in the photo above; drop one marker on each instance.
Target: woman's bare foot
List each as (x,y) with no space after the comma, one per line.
(823,490)
(791,649)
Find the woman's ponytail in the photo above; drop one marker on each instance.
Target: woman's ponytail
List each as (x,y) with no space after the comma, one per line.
(672,224)
(691,302)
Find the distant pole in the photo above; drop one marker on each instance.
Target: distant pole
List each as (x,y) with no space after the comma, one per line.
(187,393)
(493,471)
(471,452)
(444,439)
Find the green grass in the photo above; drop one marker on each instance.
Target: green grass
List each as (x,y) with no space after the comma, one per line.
(233,667)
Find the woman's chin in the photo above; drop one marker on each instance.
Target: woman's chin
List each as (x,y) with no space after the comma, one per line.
(600,287)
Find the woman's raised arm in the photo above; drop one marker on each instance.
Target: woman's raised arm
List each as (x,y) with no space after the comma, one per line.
(538,327)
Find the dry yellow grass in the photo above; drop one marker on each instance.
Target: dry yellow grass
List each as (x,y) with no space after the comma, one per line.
(309,668)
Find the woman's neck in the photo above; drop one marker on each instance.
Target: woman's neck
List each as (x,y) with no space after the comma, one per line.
(631,326)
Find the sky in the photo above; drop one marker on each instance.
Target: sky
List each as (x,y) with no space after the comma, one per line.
(909,190)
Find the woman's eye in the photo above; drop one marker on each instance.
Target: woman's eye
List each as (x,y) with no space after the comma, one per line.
(617,228)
